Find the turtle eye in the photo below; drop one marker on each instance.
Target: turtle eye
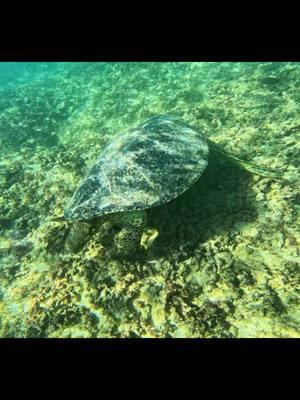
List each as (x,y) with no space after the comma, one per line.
(106,227)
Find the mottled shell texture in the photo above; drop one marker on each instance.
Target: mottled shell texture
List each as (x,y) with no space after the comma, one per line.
(141,168)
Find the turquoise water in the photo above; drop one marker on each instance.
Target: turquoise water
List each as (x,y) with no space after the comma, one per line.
(219,260)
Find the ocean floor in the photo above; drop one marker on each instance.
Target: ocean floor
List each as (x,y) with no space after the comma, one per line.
(226,261)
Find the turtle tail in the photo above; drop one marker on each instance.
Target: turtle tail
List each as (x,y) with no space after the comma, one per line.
(248,166)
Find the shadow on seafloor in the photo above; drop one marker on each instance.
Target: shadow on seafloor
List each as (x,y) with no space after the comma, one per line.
(218,200)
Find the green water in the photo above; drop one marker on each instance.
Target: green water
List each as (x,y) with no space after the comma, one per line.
(221,260)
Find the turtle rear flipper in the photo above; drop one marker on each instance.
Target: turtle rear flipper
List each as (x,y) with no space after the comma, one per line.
(257,170)
(246,165)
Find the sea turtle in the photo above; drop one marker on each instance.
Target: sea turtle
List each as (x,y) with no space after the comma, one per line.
(142,167)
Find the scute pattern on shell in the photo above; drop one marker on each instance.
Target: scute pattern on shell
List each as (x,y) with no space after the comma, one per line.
(141,168)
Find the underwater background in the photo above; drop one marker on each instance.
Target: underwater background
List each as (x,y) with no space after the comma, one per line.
(226,259)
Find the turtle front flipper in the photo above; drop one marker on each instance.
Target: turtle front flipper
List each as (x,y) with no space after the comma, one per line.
(127,241)
(79,234)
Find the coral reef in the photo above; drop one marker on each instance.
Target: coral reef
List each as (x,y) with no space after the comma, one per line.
(222,259)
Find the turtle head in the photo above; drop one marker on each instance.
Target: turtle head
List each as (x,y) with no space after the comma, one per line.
(58,218)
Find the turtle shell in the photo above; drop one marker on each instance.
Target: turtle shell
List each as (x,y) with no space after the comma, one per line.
(141,168)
